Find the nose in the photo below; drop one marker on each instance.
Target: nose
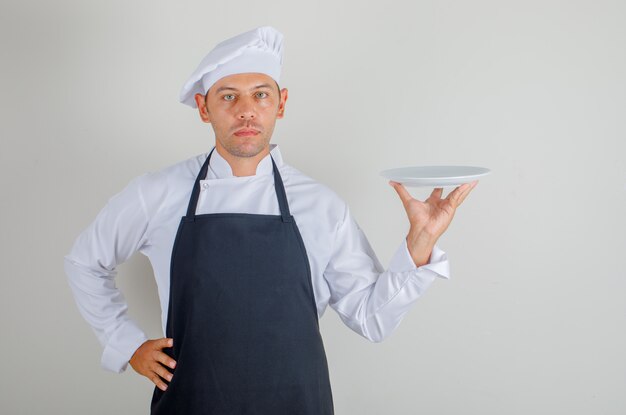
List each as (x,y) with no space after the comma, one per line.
(246,115)
(246,110)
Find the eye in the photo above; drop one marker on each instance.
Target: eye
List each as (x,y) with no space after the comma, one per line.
(229,95)
(261,93)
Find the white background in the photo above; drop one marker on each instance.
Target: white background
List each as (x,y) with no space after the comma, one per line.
(533,319)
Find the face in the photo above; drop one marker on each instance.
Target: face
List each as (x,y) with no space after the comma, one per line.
(235,102)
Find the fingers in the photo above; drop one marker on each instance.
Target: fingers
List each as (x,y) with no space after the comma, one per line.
(160,360)
(164,359)
(164,342)
(156,379)
(150,361)
(160,372)
(402,192)
(436,194)
(458,195)
(454,196)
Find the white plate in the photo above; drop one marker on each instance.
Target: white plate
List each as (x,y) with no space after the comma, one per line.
(437,176)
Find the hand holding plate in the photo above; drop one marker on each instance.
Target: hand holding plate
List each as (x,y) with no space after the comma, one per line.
(429,219)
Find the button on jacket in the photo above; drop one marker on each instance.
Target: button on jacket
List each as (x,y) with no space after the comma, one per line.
(144,217)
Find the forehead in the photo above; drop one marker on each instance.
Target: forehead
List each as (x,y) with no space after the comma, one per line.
(243,81)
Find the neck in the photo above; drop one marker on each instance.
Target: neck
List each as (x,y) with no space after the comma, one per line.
(242,166)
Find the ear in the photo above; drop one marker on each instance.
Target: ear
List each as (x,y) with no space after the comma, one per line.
(281,106)
(202,108)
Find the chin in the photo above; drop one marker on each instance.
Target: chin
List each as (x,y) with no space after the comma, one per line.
(246,149)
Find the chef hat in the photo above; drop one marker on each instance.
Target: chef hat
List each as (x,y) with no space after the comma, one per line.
(258,50)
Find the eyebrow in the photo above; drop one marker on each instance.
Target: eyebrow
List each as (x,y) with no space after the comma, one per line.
(223,88)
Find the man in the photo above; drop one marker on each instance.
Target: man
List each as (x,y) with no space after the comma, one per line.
(247,253)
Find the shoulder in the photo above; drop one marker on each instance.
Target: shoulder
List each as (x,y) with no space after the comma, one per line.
(168,184)
(305,193)
(184,170)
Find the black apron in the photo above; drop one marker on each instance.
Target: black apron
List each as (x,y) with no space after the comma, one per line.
(243,317)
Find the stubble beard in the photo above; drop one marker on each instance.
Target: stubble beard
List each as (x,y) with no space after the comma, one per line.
(246,146)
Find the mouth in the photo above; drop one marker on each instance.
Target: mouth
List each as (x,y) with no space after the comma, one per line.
(245,132)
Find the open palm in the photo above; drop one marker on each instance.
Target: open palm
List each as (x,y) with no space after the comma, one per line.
(433,216)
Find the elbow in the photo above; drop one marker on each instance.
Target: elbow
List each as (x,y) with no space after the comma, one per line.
(376,329)
(374,334)
(376,339)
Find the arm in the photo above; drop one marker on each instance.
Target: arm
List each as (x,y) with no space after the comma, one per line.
(118,231)
(369,299)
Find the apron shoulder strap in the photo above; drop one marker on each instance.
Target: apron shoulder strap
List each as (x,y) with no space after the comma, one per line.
(278,186)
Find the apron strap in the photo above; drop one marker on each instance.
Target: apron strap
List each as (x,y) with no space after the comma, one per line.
(195,192)
(278,186)
(280,194)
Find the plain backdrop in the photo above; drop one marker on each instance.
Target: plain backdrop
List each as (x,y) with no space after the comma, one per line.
(533,319)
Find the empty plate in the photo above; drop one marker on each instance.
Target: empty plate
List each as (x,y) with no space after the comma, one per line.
(436,176)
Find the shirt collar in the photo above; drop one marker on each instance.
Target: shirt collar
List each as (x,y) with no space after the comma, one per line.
(220,169)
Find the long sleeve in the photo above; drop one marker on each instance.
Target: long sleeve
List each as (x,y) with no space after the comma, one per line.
(118,231)
(369,299)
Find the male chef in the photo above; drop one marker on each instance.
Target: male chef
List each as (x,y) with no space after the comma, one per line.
(247,253)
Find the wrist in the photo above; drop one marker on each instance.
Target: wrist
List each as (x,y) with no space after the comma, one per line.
(421,236)
(420,245)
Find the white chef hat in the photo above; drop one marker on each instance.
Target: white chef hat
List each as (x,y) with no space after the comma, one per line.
(258,50)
